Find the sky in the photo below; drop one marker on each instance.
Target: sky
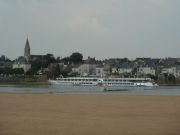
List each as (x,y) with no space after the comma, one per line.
(96,28)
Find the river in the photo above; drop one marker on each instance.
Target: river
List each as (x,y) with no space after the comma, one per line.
(156,91)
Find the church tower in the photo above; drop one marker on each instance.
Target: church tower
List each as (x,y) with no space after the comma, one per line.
(27,53)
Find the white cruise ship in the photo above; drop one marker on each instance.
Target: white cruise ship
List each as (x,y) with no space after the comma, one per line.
(106,83)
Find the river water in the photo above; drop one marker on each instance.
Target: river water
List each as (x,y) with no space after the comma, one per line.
(157,91)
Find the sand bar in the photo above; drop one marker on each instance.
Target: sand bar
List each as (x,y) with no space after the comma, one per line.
(88,114)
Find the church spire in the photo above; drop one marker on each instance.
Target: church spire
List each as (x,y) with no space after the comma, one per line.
(27,42)
(27,52)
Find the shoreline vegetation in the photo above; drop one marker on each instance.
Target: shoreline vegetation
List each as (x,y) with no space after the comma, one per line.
(33,79)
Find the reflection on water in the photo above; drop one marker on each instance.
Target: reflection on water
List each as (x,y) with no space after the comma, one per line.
(159,91)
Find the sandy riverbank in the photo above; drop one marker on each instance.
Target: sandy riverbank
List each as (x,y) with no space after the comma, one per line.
(80,114)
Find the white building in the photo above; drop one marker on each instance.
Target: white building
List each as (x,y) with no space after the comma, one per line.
(173,70)
(121,70)
(146,70)
(100,71)
(114,70)
(85,69)
(24,66)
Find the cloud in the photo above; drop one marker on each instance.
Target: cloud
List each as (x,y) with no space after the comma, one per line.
(160,3)
(66,25)
(81,17)
(84,22)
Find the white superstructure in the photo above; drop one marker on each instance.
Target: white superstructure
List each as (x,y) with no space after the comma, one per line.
(75,81)
(106,82)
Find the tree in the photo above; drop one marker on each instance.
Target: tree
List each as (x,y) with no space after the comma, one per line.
(48,58)
(152,77)
(4,58)
(171,78)
(58,59)
(35,66)
(18,71)
(125,60)
(57,71)
(65,60)
(134,71)
(7,70)
(76,57)
(165,77)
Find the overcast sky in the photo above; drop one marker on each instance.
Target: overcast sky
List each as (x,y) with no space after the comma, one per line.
(97,28)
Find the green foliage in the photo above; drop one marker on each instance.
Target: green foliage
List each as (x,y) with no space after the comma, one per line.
(48,58)
(11,71)
(134,71)
(125,60)
(4,58)
(76,57)
(6,71)
(66,59)
(18,71)
(127,74)
(152,77)
(58,59)
(37,64)
(171,78)
(57,71)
